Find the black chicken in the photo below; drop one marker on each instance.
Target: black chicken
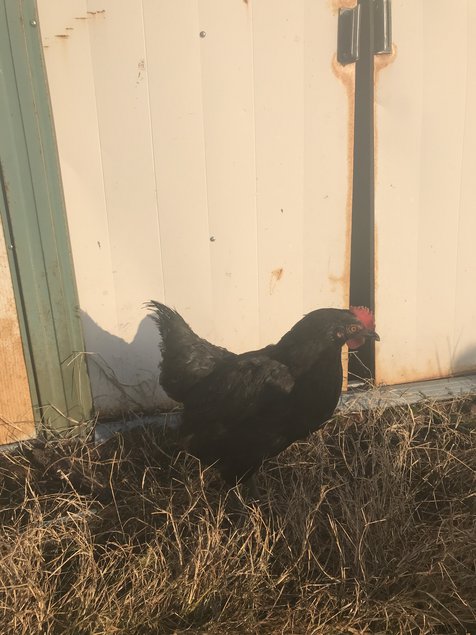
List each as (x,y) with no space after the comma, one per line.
(242,409)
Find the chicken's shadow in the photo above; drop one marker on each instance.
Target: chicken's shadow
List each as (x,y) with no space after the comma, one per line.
(124,375)
(465,361)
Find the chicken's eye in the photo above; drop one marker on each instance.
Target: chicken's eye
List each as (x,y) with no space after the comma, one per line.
(354,328)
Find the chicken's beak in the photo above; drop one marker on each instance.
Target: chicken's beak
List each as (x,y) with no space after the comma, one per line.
(372,335)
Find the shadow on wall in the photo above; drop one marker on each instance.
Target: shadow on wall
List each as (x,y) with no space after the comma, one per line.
(124,375)
(465,361)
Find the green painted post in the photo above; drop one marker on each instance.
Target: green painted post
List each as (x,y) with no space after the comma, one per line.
(34,219)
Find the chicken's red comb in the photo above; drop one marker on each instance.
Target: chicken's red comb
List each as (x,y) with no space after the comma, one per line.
(365,315)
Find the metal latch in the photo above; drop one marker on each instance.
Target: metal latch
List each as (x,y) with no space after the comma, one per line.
(348,30)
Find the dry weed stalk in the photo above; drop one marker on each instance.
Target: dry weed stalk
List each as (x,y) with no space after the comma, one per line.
(369,527)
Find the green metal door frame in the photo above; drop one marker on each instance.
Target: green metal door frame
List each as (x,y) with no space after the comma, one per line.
(36,231)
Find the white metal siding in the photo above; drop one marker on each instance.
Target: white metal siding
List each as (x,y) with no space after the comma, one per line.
(426,194)
(168,139)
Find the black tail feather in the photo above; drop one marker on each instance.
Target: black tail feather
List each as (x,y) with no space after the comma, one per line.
(186,357)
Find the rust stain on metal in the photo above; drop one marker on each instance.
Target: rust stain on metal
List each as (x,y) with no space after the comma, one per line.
(346,74)
(381,62)
(276,276)
(338,281)
(141,68)
(384,60)
(62,36)
(335,5)
(90,14)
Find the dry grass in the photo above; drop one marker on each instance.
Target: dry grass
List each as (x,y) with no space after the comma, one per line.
(367,528)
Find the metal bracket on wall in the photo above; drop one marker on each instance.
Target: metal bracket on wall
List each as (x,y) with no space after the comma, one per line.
(382,27)
(348,31)
(348,28)
(363,32)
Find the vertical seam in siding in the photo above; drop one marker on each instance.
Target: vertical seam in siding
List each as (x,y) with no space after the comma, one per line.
(210,269)
(258,277)
(458,230)
(149,110)
(104,197)
(303,151)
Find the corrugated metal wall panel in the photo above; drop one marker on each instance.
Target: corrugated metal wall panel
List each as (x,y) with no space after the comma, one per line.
(168,139)
(127,152)
(425,305)
(226,54)
(279,116)
(174,77)
(464,356)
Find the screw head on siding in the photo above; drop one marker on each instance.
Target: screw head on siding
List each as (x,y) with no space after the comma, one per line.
(203,34)
(212,239)
(33,23)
